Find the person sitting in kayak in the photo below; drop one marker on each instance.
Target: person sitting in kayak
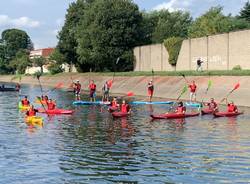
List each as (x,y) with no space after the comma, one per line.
(92,90)
(25,101)
(125,108)
(114,103)
(18,86)
(51,105)
(32,111)
(150,90)
(231,107)
(181,109)
(105,90)
(192,88)
(77,89)
(212,105)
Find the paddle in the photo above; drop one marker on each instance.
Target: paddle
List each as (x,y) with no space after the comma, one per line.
(38,75)
(236,86)
(129,94)
(183,91)
(208,87)
(153,74)
(58,86)
(39,98)
(184,77)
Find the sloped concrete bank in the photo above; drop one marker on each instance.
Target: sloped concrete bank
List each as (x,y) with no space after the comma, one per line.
(167,87)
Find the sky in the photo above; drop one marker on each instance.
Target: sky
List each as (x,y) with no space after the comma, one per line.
(42,19)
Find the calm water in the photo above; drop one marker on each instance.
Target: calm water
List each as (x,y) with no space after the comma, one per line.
(91,147)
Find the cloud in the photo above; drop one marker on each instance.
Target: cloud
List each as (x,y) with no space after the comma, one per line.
(174,5)
(21,22)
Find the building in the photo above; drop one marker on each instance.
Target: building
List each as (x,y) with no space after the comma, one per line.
(46,52)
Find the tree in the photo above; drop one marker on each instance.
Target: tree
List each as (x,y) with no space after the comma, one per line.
(20,62)
(57,59)
(167,24)
(214,22)
(245,12)
(109,29)
(40,62)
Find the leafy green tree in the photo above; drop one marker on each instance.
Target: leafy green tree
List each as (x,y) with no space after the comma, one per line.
(39,62)
(168,24)
(109,29)
(57,59)
(20,62)
(245,12)
(214,22)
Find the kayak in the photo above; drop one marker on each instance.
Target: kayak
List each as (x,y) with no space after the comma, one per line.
(8,89)
(90,103)
(191,104)
(173,115)
(120,114)
(207,111)
(150,103)
(113,109)
(227,114)
(55,111)
(23,107)
(34,120)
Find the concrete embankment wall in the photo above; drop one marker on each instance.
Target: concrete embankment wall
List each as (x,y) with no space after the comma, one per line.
(219,52)
(165,87)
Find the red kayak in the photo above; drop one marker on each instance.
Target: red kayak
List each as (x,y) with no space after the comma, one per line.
(119,114)
(55,111)
(227,114)
(207,111)
(112,109)
(173,115)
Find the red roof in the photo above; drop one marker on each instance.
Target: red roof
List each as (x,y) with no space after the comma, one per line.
(47,51)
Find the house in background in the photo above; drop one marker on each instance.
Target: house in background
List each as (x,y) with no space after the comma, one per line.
(45,52)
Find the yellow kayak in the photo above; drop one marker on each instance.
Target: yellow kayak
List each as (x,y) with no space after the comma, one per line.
(22,107)
(34,120)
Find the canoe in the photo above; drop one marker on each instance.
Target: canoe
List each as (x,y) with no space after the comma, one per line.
(22,107)
(90,103)
(55,111)
(119,114)
(227,114)
(173,115)
(113,109)
(191,104)
(34,120)
(150,103)
(207,111)
(8,89)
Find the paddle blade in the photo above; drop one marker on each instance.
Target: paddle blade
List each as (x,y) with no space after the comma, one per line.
(236,86)
(59,85)
(110,83)
(209,85)
(184,90)
(130,93)
(117,61)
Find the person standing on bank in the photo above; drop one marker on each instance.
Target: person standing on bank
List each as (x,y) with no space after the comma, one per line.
(199,63)
(150,90)
(192,88)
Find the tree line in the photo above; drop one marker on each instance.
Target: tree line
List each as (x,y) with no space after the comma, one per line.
(98,32)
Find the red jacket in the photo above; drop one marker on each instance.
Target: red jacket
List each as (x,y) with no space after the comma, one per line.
(125,108)
(92,86)
(192,88)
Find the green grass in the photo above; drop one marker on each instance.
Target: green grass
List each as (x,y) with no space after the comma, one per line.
(169,73)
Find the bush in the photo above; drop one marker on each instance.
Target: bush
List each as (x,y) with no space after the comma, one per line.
(237,67)
(55,68)
(173,46)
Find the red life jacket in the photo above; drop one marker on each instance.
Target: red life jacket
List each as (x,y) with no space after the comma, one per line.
(51,105)
(78,87)
(25,102)
(31,112)
(92,86)
(192,87)
(231,108)
(114,103)
(124,108)
(180,110)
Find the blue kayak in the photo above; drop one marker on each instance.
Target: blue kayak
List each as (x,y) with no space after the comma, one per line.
(90,103)
(191,104)
(149,103)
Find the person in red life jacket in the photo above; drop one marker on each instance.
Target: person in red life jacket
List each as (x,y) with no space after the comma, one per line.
(212,105)
(77,89)
(51,105)
(105,90)
(192,88)
(181,109)
(92,90)
(25,101)
(150,90)
(125,107)
(32,111)
(231,107)
(18,87)
(114,103)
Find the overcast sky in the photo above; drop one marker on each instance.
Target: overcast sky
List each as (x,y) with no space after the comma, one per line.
(43,18)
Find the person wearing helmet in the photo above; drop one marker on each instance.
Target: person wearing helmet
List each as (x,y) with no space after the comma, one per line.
(181,109)
(77,89)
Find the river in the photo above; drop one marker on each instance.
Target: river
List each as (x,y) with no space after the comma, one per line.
(92,147)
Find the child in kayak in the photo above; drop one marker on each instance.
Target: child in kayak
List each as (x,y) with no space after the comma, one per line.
(114,105)
(32,111)
(92,90)
(125,108)
(51,105)
(192,88)
(181,109)
(150,90)
(25,101)
(77,89)
(231,107)
(212,105)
